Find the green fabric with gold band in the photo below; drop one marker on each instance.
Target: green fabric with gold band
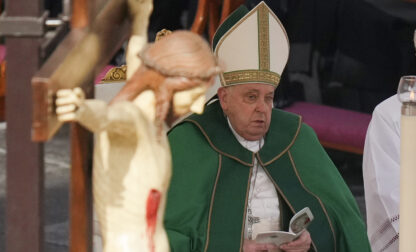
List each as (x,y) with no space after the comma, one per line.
(208,194)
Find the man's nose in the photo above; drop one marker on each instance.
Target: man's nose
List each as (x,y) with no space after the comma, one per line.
(261,106)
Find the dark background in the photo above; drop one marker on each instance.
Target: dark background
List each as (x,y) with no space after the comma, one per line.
(344,53)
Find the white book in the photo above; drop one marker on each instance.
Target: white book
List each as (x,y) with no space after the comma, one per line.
(297,225)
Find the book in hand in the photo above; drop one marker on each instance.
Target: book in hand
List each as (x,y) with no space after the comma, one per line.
(297,225)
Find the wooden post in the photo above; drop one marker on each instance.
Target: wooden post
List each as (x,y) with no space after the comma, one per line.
(2,87)
(81,14)
(209,11)
(81,233)
(228,7)
(24,215)
(2,81)
(201,16)
(214,17)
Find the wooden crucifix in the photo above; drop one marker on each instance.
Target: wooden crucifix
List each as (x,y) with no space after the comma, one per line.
(74,63)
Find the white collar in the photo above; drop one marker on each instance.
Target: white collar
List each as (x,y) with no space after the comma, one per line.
(253,146)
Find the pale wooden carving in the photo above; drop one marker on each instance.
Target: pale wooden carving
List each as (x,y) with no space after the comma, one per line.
(140,14)
(132,163)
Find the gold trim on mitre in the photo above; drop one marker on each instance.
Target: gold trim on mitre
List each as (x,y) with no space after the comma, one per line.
(261,49)
(251,76)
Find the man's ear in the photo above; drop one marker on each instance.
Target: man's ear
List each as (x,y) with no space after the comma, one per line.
(222,96)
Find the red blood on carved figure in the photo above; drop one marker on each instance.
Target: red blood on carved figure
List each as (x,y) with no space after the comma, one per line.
(153,200)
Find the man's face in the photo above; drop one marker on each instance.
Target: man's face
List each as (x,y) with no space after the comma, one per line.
(249,108)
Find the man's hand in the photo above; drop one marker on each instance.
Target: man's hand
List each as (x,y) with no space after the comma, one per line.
(252,246)
(68,102)
(302,244)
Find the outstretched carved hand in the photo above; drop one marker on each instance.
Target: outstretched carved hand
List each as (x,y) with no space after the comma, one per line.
(67,103)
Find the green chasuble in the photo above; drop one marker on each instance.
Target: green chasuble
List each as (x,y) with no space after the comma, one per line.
(207,198)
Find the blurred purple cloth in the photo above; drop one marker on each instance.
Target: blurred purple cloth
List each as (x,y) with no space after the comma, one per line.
(334,125)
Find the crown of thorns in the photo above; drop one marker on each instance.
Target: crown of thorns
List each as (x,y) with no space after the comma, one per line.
(152,64)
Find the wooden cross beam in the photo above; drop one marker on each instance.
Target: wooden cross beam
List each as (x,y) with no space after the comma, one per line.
(208,11)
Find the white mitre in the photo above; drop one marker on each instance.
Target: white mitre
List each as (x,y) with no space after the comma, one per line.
(252,46)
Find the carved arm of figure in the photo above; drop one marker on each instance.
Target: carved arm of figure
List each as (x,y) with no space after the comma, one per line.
(71,105)
(93,114)
(139,14)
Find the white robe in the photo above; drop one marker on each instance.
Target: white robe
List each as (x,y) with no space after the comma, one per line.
(262,195)
(381,173)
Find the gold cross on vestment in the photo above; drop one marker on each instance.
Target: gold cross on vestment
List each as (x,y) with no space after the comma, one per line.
(251,221)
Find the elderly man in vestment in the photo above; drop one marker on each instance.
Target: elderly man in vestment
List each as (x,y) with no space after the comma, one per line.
(381,174)
(242,167)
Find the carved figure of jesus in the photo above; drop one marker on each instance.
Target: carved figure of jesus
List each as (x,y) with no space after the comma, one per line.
(132,162)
